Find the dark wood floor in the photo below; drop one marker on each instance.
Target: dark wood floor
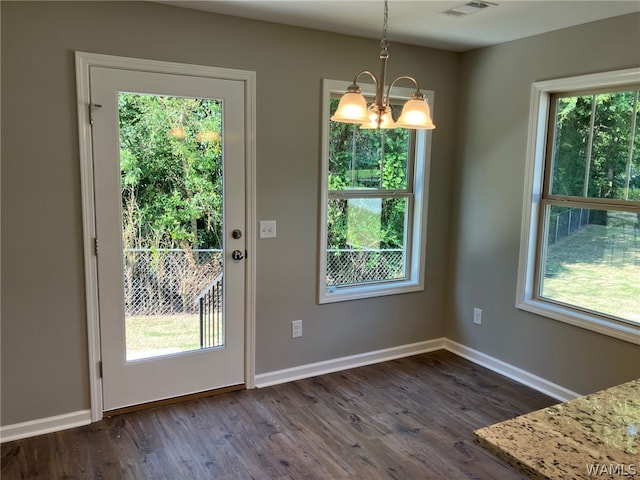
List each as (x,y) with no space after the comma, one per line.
(406,419)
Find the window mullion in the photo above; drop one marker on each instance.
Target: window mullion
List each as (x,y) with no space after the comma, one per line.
(593,203)
(411,161)
(337,194)
(550,145)
(632,135)
(587,160)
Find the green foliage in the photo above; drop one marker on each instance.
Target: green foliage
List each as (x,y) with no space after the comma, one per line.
(171,171)
(599,155)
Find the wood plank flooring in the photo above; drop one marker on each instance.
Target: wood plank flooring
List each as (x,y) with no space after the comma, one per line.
(406,419)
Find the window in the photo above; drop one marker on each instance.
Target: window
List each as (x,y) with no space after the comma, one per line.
(580,252)
(373,218)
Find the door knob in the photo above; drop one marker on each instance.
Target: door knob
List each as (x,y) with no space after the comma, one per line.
(237,255)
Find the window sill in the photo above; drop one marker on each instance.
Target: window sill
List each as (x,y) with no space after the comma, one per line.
(611,328)
(343,294)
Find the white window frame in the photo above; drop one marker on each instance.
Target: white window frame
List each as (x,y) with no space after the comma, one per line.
(526,298)
(416,244)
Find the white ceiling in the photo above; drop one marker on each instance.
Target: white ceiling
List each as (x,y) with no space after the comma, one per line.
(423,22)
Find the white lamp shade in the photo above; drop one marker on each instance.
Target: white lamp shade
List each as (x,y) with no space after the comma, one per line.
(352,109)
(385,122)
(416,114)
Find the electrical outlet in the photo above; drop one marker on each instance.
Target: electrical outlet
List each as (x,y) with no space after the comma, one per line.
(477,316)
(296,328)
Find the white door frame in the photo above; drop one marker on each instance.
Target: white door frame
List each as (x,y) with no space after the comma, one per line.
(85,60)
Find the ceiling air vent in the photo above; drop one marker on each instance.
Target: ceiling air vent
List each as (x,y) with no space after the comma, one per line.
(468,8)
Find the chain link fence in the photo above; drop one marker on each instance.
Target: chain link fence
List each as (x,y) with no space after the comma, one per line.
(167,281)
(170,281)
(348,267)
(562,224)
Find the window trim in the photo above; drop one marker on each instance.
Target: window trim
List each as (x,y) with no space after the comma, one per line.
(416,244)
(533,204)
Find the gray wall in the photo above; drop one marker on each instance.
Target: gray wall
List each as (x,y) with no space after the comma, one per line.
(494,108)
(44,352)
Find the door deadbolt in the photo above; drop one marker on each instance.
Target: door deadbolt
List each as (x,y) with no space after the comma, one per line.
(236,234)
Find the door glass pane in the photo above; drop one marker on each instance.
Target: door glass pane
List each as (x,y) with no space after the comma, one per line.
(366,240)
(171,183)
(592,260)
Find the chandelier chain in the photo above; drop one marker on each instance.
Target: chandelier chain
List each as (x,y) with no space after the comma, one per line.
(353,107)
(385,42)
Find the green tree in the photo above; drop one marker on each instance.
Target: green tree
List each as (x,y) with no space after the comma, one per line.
(601,151)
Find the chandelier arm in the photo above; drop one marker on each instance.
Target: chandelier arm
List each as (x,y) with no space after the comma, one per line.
(367,72)
(397,79)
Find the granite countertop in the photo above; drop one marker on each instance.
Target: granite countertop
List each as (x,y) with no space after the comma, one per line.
(595,436)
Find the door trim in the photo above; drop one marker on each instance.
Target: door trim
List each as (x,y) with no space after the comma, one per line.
(84,61)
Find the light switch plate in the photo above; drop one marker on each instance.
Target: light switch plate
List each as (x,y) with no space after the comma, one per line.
(267,229)
(296,328)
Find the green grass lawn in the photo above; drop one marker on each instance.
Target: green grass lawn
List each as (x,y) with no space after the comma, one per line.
(162,332)
(597,268)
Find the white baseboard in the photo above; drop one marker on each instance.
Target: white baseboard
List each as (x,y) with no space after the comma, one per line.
(514,373)
(329,366)
(83,417)
(344,363)
(44,425)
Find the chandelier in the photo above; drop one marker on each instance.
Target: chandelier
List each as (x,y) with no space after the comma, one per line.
(353,105)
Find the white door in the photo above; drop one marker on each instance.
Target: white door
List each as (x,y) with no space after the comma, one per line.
(168,162)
